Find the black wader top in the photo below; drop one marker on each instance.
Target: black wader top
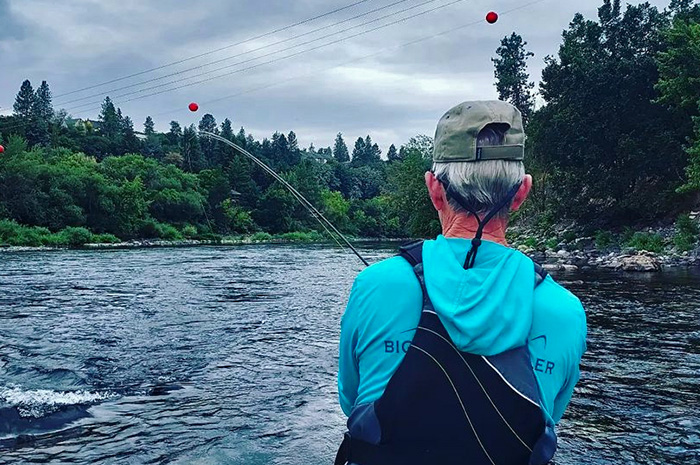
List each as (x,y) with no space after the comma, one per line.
(447,407)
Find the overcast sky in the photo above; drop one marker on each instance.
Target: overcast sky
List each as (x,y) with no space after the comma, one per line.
(392,95)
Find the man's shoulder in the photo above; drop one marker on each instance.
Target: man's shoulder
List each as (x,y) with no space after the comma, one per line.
(393,271)
(559,304)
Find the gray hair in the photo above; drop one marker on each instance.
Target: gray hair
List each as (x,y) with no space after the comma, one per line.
(483,184)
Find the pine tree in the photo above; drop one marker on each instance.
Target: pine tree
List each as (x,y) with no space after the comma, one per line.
(293,154)
(359,152)
(512,78)
(174,136)
(149,127)
(191,150)
(280,151)
(393,154)
(43,114)
(241,137)
(209,151)
(224,152)
(111,120)
(130,143)
(372,152)
(340,150)
(227,130)
(24,102)
(25,112)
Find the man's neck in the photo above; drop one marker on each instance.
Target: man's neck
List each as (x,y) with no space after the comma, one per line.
(463,227)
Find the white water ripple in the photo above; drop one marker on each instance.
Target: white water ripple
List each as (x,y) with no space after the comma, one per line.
(41,402)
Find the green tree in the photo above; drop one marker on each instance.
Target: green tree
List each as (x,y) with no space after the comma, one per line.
(679,82)
(512,79)
(110,120)
(359,152)
(130,143)
(149,127)
(393,154)
(407,191)
(340,150)
(192,150)
(24,102)
(613,155)
(25,112)
(209,146)
(174,136)
(43,114)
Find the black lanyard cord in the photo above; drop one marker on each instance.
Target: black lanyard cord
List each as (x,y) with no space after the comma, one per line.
(452,193)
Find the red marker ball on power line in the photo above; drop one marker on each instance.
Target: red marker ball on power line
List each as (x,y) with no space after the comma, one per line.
(492,17)
(2,149)
(193,106)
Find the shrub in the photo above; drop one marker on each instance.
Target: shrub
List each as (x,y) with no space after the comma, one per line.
(105,239)
(687,232)
(75,237)
(313,236)
(261,237)
(603,239)
(189,231)
(552,243)
(168,232)
(569,236)
(530,242)
(12,233)
(148,229)
(650,242)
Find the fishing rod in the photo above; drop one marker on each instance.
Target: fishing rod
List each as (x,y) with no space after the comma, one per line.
(308,205)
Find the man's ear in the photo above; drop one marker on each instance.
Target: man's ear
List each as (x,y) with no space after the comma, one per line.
(522,193)
(436,191)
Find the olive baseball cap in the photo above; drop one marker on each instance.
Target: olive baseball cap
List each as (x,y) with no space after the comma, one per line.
(458,131)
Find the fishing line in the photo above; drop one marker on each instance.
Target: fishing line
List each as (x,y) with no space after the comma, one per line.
(308,205)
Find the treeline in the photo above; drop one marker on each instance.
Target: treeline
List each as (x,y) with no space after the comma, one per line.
(616,144)
(58,172)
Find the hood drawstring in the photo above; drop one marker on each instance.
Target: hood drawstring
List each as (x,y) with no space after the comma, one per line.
(476,242)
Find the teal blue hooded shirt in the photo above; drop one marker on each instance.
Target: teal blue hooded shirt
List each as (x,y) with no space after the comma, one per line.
(488,309)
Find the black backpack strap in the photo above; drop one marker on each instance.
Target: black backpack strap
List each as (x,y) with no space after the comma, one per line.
(540,274)
(412,253)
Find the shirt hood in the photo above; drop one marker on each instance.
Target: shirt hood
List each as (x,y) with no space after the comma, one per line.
(486,310)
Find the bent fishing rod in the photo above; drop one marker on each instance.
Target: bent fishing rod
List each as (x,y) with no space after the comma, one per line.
(327,225)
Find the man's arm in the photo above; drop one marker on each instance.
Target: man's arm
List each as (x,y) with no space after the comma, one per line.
(562,399)
(348,370)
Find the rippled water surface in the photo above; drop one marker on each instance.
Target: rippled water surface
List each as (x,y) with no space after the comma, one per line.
(229,355)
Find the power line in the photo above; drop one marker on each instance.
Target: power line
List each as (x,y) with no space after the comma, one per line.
(187,70)
(286,57)
(211,52)
(384,50)
(354,60)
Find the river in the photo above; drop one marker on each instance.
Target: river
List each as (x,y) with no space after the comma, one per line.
(229,355)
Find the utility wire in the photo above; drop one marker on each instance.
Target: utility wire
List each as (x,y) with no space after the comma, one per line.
(81,108)
(354,60)
(381,51)
(286,57)
(211,52)
(194,68)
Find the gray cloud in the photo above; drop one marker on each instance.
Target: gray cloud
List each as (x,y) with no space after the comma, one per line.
(392,96)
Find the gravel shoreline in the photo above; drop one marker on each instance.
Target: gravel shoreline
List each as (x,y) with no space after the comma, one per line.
(552,260)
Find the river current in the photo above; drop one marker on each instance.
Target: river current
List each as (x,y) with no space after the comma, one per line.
(229,355)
